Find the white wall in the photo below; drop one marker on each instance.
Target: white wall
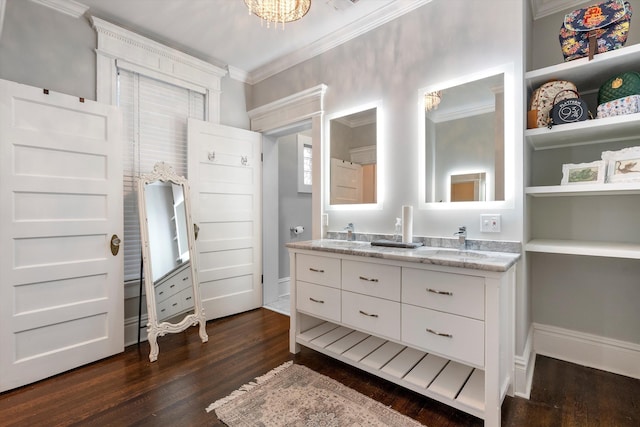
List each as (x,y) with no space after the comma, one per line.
(440,41)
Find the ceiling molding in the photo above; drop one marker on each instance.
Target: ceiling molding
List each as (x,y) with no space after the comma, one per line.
(542,8)
(68,7)
(461,113)
(238,74)
(374,20)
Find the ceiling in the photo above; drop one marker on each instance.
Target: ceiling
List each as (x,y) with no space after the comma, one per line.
(224,33)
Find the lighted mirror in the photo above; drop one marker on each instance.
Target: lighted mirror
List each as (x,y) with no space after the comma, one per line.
(464,141)
(353,162)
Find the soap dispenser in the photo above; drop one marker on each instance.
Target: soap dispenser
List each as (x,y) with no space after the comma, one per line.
(397,235)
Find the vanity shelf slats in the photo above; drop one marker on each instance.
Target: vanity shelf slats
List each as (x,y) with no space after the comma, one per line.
(441,379)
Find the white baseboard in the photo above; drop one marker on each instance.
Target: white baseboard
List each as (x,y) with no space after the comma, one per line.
(131,330)
(524,367)
(283,286)
(619,357)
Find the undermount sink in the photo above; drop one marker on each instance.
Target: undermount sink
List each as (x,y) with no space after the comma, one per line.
(457,254)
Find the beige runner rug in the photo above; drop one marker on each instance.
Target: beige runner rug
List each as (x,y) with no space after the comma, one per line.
(294,395)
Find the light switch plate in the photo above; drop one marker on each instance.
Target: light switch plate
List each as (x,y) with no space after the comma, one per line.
(490,223)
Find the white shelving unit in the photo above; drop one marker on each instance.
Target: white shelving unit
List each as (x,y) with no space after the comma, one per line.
(588,76)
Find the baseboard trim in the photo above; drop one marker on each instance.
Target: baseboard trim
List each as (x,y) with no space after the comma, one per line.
(131,330)
(607,354)
(524,367)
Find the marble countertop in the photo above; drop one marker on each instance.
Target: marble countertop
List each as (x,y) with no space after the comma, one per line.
(474,259)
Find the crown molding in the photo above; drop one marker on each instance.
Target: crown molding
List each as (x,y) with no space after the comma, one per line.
(374,20)
(542,8)
(462,113)
(238,74)
(68,7)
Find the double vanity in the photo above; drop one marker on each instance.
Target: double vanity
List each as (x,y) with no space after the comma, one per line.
(438,321)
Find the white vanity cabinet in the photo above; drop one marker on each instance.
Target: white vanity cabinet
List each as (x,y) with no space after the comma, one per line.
(445,332)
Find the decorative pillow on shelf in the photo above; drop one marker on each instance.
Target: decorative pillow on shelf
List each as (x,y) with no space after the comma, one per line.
(595,29)
(619,107)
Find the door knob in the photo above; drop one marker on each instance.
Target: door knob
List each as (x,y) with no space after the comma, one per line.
(115,244)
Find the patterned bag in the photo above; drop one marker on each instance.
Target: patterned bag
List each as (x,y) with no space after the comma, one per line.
(542,101)
(595,29)
(619,86)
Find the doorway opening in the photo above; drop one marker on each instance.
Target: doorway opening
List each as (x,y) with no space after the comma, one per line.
(287,207)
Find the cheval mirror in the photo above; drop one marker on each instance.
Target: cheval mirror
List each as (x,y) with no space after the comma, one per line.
(168,240)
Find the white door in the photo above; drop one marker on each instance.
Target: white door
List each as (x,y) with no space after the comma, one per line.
(346,182)
(224,174)
(61,289)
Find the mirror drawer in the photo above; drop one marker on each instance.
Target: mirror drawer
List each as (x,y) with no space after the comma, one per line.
(318,300)
(446,334)
(373,279)
(452,293)
(318,269)
(374,315)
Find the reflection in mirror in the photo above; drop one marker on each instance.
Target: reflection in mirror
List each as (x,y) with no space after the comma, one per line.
(468,187)
(172,292)
(464,138)
(353,165)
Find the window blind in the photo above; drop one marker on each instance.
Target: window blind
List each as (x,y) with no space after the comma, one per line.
(155,117)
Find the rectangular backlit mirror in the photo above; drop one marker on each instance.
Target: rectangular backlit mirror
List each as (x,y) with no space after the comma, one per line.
(464,142)
(353,160)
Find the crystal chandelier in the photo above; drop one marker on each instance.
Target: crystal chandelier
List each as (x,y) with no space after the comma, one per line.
(278,11)
(432,99)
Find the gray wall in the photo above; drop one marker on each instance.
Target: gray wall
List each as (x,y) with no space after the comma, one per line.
(44,48)
(293,208)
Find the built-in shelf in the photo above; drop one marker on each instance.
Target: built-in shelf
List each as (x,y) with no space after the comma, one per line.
(617,128)
(613,189)
(588,74)
(589,248)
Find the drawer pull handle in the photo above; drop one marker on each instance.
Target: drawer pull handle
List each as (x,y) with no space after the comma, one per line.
(440,334)
(434,291)
(174,304)
(185,278)
(316,300)
(171,286)
(367,314)
(316,270)
(368,279)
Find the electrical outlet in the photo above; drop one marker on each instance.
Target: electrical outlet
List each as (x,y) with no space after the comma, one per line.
(490,223)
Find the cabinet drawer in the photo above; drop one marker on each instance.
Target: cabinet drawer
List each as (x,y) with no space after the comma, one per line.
(318,269)
(375,315)
(452,293)
(173,284)
(462,338)
(318,300)
(373,279)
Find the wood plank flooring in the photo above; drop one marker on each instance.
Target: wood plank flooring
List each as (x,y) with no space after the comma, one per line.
(127,389)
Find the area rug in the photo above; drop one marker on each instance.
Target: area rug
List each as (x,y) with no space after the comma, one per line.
(294,395)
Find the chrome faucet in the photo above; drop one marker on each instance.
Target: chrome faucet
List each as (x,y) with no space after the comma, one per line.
(351,235)
(462,237)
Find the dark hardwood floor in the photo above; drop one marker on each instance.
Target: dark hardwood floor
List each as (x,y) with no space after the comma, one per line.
(127,389)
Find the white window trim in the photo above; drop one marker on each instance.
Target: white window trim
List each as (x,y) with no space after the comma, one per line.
(154,60)
(302,142)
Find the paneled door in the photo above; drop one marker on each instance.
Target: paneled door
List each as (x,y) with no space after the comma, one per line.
(225,176)
(61,287)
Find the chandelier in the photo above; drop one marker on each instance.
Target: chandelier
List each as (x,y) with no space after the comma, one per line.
(432,99)
(278,11)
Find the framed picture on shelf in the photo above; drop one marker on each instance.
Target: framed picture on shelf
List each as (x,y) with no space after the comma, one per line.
(622,165)
(583,173)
